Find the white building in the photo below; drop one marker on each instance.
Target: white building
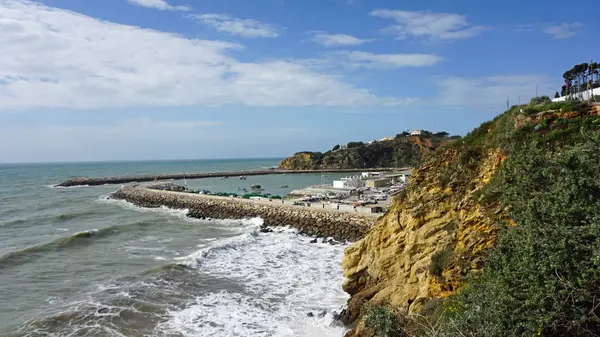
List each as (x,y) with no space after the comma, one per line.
(416,132)
(349,182)
(366,175)
(384,139)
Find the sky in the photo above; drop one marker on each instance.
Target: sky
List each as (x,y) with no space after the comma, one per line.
(100,80)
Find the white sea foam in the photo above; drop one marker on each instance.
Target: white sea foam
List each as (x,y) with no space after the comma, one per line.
(240,225)
(180,213)
(63,187)
(284,278)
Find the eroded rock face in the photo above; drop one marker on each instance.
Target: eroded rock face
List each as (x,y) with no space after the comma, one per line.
(391,264)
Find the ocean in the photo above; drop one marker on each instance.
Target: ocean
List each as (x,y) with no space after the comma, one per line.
(74,263)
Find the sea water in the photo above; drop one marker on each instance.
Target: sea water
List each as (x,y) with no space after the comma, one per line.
(74,263)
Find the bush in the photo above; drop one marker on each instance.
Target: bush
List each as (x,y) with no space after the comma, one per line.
(355,144)
(540,100)
(383,322)
(439,262)
(543,278)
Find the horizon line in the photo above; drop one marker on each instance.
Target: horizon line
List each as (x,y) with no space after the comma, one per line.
(135,161)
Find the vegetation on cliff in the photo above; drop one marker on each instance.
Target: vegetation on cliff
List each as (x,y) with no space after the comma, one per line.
(402,151)
(509,216)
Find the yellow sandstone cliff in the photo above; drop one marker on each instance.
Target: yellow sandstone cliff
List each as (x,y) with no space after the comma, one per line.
(438,214)
(442,226)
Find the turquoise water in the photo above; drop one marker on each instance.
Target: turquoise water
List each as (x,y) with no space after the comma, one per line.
(73,263)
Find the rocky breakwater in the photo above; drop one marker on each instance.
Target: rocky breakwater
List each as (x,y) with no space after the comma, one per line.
(95,181)
(341,226)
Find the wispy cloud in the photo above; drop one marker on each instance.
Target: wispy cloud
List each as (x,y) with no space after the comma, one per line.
(486,93)
(236,26)
(102,64)
(428,25)
(564,30)
(336,40)
(158,4)
(372,60)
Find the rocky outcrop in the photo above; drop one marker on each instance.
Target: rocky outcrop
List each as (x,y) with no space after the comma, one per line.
(341,226)
(95,181)
(402,151)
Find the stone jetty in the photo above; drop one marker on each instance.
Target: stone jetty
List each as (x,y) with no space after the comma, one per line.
(95,181)
(341,226)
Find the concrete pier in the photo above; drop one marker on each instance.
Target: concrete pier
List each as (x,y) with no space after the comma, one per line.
(320,222)
(95,181)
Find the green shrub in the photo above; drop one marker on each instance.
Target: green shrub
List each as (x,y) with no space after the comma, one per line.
(439,262)
(383,322)
(540,100)
(543,278)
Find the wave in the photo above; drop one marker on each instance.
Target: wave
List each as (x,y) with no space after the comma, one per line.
(56,187)
(254,284)
(25,255)
(291,287)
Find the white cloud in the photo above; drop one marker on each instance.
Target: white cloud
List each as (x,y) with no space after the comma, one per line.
(335,40)
(564,30)
(488,93)
(158,4)
(236,26)
(371,60)
(428,25)
(57,58)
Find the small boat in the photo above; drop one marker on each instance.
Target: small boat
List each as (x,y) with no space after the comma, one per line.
(284,186)
(223,178)
(257,188)
(243,177)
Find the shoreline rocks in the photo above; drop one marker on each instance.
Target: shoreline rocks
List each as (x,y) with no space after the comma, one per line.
(315,222)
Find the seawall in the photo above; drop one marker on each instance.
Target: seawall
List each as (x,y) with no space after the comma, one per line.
(95,181)
(341,226)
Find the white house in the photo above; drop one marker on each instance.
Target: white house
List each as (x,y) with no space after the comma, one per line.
(416,132)
(384,139)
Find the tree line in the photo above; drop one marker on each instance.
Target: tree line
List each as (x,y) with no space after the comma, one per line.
(580,78)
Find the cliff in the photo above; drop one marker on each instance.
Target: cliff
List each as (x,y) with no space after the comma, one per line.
(402,151)
(443,228)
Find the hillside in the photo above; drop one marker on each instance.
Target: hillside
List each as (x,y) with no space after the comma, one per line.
(497,234)
(402,151)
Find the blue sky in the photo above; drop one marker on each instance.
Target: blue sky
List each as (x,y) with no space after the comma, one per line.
(185,79)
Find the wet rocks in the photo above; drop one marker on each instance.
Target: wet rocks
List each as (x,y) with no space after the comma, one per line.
(166,186)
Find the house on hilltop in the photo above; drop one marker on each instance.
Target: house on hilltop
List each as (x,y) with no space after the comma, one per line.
(416,132)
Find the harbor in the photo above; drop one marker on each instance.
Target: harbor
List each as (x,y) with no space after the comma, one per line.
(96,181)
(368,192)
